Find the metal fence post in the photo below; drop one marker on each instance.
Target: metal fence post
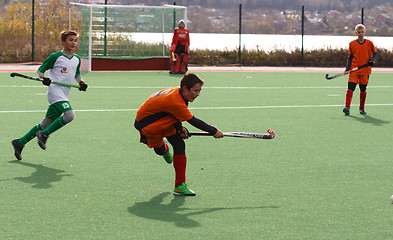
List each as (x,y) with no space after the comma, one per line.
(240,33)
(32,31)
(302,35)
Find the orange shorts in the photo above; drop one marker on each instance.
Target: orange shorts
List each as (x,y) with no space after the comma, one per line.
(359,79)
(155,140)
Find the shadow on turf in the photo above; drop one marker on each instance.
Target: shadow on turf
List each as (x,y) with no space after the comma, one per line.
(174,212)
(43,177)
(370,120)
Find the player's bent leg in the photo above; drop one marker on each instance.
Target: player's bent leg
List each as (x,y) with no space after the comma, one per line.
(46,122)
(29,135)
(68,116)
(42,136)
(41,139)
(164,152)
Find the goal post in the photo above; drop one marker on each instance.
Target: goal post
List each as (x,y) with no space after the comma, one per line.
(124,31)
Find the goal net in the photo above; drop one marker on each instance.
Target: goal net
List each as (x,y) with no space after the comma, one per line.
(124,31)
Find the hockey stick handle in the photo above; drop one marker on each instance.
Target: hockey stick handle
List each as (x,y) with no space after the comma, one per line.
(14,74)
(357,68)
(347,72)
(236,134)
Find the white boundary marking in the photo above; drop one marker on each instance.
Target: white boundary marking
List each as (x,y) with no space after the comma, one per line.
(163,87)
(202,108)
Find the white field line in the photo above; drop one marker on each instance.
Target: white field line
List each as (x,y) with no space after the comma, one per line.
(202,108)
(163,87)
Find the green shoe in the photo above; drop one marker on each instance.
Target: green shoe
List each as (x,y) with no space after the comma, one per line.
(168,157)
(183,190)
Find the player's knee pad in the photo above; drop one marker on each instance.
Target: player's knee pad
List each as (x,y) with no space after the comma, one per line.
(185,58)
(184,62)
(174,64)
(45,123)
(68,116)
(161,150)
(178,144)
(351,86)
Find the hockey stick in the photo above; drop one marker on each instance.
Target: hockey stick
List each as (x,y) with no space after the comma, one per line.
(239,134)
(347,72)
(14,74)
(173,57)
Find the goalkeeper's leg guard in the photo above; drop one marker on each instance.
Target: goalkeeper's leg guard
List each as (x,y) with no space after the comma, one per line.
(184,63)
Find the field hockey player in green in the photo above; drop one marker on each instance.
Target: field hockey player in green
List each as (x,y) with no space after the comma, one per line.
(63,66)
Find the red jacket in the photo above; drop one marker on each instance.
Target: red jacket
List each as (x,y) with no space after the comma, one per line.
(180,37)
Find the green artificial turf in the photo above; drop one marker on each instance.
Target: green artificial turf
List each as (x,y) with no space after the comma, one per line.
(324,176)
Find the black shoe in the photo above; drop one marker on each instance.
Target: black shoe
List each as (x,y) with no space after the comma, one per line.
(17,148)
(346,110)
(42,140)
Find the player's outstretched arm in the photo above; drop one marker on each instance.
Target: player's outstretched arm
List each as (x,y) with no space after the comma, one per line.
(196,122)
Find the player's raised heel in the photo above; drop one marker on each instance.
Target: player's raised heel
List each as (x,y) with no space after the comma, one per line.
(346,110)
(362,111)
(41,138)
(17,149)
(183,190)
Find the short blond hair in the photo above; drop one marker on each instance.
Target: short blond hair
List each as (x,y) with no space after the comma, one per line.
(360,26)
(64,34)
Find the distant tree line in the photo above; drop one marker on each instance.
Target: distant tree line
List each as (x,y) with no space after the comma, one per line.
(278,4)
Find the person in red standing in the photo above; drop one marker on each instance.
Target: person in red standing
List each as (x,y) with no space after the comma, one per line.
(180,49)
(361,51)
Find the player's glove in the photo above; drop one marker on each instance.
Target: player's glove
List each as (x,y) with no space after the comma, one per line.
(172,48)
(181,131)
(46,81)
(372,59)
(184,133)
(82,87)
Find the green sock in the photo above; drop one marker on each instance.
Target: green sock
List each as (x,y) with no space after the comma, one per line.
(58,123)
(29,135)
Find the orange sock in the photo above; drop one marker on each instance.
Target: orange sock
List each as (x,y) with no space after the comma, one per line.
(179,163)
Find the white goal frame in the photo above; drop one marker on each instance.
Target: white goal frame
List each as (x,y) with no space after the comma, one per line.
(86,64)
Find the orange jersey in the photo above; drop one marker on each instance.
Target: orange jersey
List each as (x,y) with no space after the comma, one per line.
(161,111)
(180,37)
(361,54)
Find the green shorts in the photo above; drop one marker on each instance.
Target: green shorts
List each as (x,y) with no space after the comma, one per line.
(57,109)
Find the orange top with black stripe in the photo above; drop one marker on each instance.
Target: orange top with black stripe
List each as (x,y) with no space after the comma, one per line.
(162,110)
(361,54)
